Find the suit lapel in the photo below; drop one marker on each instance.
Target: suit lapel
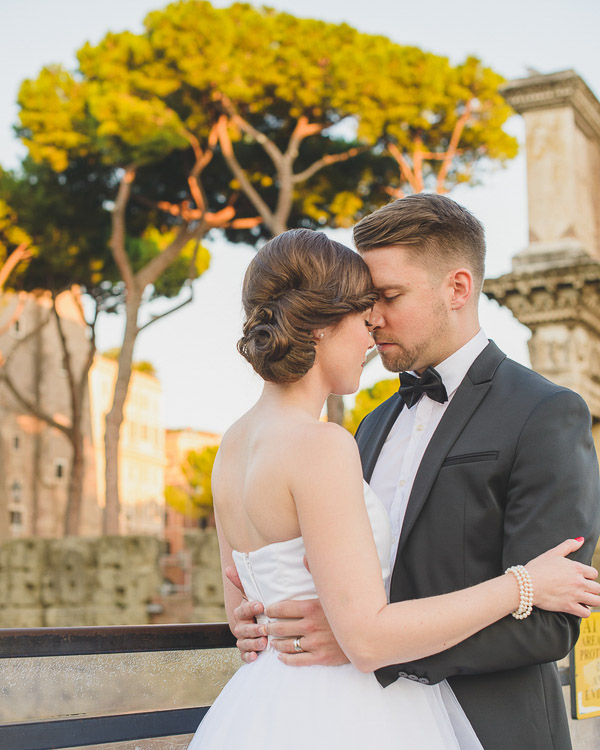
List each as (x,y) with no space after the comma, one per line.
(372,436)
(467,398)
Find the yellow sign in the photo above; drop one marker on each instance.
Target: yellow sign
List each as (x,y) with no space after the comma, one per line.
(586,690)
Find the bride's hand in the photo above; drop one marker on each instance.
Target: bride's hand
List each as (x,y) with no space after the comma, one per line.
(561,585)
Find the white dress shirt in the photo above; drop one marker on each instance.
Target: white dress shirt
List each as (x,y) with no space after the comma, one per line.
(401,454)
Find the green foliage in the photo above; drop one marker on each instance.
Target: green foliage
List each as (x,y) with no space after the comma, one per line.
(367,400)
(190,264)
(64,216)
(145,367)
(13,238)
(195,498)
(11,234)
(150,99)
(140,366)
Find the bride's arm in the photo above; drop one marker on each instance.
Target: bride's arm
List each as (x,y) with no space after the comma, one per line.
(326,484)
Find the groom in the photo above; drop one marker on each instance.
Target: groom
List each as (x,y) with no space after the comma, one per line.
(481,464)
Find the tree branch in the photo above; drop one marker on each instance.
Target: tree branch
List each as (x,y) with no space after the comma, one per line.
(418,165)
(267,144)
(203,159)
(229,155)
(5,360)
(18,254)
(67,360)
(303,129)
(326,161)
(247,223)
(453,146)
(21,299)
(117,240)
(188,283)
(81,386)
(31,407)
(405,168)
(158,265)
(396,193)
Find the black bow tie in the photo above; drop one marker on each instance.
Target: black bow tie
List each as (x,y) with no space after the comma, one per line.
(412,388)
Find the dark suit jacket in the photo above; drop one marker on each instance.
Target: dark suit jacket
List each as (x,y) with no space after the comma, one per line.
(510,471)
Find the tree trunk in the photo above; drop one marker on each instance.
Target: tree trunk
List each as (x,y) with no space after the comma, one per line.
(4,525)
(335,408)
(37,438)
(75,491)
(114,418)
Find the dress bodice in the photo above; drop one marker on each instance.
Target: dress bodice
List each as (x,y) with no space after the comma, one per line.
(322,707)
(276,572)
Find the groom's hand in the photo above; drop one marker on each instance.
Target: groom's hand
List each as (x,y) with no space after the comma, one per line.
(305,621)
(250,635)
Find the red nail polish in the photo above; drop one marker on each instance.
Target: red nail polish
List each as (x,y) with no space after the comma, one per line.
(579,539)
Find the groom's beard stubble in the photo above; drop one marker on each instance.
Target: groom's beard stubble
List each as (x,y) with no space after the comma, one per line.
(404,358)
(400,359)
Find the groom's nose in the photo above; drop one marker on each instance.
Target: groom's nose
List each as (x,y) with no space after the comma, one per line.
(376,319)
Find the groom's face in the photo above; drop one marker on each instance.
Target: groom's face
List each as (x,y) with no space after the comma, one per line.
(411,318)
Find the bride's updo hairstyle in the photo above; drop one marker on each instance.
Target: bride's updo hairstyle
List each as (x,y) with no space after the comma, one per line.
(298,282)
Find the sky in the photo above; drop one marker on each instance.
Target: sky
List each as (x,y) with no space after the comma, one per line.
(206,384)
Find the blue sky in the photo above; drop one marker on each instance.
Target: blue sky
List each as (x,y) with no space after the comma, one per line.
(206,384)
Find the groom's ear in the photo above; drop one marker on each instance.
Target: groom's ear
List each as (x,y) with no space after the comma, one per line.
(460,287)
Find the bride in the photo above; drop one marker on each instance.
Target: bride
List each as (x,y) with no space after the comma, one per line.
(288,490)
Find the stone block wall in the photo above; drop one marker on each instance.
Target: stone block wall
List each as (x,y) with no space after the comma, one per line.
(78,581)
(207,583)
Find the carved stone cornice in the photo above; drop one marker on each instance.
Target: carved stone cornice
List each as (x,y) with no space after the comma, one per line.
(555,295)
(565,88)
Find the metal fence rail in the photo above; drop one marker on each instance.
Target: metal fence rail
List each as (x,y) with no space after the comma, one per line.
(52,734)
(95,730)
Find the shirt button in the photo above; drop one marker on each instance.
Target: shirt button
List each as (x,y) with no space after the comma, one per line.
(419,428)
(423,680)
(413,677)
(402,482)
(402,674)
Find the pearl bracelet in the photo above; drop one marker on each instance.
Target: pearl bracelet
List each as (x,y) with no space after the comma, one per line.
(525,608)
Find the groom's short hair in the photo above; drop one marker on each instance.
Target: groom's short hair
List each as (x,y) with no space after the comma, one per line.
(443,232)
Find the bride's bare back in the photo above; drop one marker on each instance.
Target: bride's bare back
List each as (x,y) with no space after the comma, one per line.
(251,477)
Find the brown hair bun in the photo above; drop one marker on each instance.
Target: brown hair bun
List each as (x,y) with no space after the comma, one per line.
(297,282)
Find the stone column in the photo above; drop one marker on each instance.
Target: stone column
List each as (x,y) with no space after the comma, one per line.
(554,285)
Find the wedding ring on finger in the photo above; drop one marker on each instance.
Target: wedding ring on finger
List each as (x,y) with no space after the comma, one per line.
(297,647)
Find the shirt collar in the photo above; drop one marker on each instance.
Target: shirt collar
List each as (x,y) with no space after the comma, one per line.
(453,369)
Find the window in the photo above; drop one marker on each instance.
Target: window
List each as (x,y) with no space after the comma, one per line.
(16,522)
(16,491)
(60,468)
(16,330)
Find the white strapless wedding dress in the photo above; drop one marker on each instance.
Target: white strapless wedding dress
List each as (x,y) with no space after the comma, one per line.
(270,706)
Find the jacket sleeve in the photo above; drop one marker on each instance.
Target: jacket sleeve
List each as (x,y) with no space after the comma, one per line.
(553,493)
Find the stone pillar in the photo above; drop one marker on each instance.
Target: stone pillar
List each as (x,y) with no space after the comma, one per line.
(554,285)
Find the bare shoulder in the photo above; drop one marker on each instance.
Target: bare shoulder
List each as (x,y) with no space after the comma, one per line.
(324,441)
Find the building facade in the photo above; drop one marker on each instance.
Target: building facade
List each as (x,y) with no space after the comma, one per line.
(142,447)
(35,458)
(178,444)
